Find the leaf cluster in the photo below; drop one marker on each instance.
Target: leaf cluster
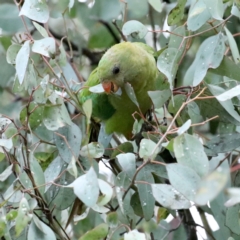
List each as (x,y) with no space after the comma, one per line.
(61,181)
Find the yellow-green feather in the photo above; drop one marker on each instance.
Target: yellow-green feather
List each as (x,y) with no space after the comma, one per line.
(137,67)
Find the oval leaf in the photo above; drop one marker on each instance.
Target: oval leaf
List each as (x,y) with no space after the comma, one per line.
(131,94)
(22,61)
(97,233)
(148,149)
(97,89)
(35,10)
(12,53)
(184,127)
(92,150)
(184,179)
(198,15)
(226,95)
(45,47)
(145,193)
(134,28)
(159,97)
(169,197)
(211,186)
(128,163)
(209,55)
(167,64)
(134,235)
(177,13)
(190,152)
(86,188)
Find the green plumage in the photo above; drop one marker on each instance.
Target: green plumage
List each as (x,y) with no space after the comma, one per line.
(137,66)
(102,108)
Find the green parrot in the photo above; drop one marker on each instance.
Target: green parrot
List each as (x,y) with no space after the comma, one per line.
(123,64)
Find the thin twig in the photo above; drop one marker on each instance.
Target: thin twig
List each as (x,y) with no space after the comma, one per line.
(119,30)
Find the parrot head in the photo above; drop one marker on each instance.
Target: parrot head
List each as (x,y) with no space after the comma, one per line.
(118,66)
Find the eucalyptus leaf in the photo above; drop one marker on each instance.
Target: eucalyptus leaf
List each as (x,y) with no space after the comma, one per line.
(177,13)
(45,233)
(198,15)
(169,197)
(229,94)
(126,147)
(35,118)
(222,143)
(106,191)
(71,3)
(211,186)
(37,174)
(179,176)
(157,5)
(67,140)
(63,60)
(184,127)
(45,47)
(22,61)
(56,116)
(86,188)
(148,149)
(35,10)
(235,11)
(209,55)
(136,10)
(167,63)
(9,19)
(61,197)
(194,112)
(216,8)
(159,98)
(227,68)
(104,138)
(134,235)
(145,193)
(4,122)
(97,89)
(131,94)
(122,182)
(6,143)
(6,173)
(92,150)
(128,163)
(227,104)
(177,39)
(135,29)
(52,171)
(12,53)
(232,219)
(13,194)
(99,232)
(112,219)
(190,152)
(23,217)
(100,11)
(233,46)
(211,108)
(87,108)
(40,29)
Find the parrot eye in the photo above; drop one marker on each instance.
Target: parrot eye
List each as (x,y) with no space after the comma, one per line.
(116,70)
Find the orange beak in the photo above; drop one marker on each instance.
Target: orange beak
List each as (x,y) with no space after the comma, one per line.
(109,87)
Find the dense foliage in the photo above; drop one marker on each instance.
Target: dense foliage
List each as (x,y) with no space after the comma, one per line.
(62,179)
